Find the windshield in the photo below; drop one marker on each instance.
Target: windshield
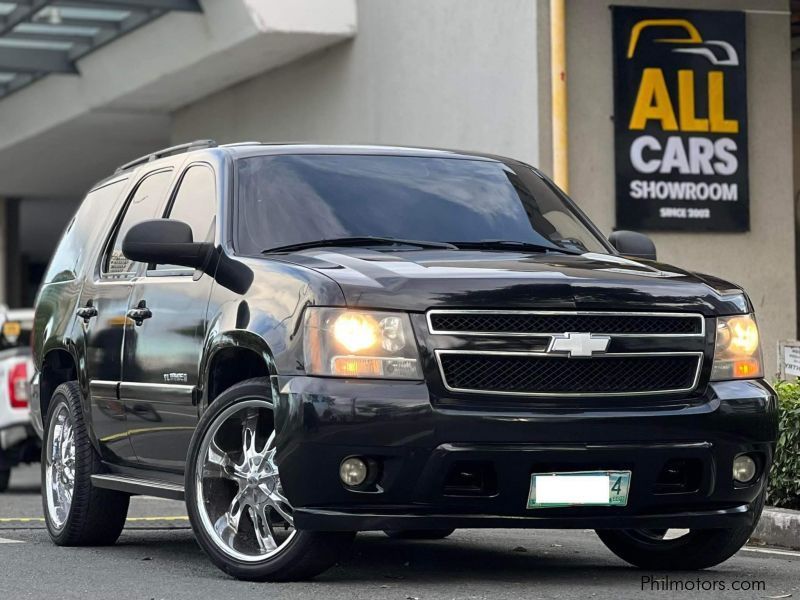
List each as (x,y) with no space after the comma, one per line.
(294,199)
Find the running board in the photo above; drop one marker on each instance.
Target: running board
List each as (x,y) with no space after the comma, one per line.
(139,487)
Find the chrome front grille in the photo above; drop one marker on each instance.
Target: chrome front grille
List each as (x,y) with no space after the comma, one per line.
(514,323)
(507,363)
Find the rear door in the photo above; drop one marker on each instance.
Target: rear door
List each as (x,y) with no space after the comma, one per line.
(102,314)
(162,351)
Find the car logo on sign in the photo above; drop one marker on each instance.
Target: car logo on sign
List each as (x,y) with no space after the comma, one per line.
(579,344)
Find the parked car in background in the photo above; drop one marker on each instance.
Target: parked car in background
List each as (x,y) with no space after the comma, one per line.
(18,440)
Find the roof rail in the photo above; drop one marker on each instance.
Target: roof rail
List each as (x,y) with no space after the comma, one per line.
(188,147)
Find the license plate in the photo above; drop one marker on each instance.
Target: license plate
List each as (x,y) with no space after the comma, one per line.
(579,488)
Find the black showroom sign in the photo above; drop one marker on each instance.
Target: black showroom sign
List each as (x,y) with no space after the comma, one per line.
(680,120)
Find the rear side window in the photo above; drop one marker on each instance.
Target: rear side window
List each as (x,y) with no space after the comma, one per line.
(76,242)
(144,204)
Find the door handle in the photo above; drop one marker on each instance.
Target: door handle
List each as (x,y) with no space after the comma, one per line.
(86,312)
(140,313)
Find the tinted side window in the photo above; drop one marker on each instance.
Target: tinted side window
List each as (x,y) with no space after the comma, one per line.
(196,201)
(145,203)
(76,242)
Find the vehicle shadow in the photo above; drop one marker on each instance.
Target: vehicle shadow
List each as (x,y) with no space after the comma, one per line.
(375,557)
(378,560)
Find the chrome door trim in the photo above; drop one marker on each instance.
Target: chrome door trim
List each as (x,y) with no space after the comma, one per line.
(103,385)
(162,393)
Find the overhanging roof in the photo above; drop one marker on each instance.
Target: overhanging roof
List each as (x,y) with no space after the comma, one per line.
(79,128)
(39,37)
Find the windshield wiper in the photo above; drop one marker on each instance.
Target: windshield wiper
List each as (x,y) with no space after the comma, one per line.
(513,245)
(367,240)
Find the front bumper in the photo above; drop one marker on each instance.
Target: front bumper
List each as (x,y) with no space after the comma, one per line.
(418,445)
(14,434)
(18,444)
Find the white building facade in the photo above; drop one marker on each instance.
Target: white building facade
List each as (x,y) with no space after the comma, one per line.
(466,74)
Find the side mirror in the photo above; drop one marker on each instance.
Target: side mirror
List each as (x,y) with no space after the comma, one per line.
(165,242)
(633,244)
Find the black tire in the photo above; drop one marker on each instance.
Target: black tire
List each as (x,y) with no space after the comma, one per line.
(5,477)
(419,534)
(306,554)
(96,516)
(698,549)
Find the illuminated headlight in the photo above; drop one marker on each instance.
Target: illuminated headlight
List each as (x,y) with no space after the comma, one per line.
(341,342)
(737,351)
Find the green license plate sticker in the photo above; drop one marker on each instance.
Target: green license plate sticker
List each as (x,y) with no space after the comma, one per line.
(579,488)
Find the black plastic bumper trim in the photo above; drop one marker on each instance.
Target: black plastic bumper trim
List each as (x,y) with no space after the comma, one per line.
(330,520)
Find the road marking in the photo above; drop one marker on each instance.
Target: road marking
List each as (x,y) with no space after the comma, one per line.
(148,519)
(129,520)
(22,520)
(7,541)
(768,551)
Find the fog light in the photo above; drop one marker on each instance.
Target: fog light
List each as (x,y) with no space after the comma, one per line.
(353,471)
(744,468)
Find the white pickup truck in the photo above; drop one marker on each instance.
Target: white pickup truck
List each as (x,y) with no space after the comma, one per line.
(18,442)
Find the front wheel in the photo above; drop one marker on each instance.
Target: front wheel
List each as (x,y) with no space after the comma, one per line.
(653,549)
(676,549)
(235,499)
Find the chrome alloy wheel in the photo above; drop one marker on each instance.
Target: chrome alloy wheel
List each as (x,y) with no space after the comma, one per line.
(238,489)
(60,466)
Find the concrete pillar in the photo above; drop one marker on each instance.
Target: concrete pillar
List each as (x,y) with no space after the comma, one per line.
(3,245)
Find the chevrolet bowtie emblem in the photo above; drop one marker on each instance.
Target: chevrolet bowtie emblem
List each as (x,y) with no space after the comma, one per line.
(579,344)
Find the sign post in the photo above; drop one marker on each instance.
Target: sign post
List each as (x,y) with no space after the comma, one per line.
(788,359)
(680,120)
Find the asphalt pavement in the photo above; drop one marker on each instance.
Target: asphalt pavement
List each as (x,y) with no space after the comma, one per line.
(157,557)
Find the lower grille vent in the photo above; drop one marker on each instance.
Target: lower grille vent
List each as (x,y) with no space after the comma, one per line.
(520,373)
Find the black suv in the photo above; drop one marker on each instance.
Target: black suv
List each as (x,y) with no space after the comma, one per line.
(309,341)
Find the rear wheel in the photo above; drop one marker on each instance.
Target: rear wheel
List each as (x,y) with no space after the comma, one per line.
(235,499)
(76,513)
(419,534)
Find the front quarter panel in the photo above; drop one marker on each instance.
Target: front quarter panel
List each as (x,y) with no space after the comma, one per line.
(265,315)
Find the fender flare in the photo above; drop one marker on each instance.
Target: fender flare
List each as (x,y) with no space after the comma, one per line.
(237,338)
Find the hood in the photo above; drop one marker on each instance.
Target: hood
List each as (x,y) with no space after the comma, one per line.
(424,279)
